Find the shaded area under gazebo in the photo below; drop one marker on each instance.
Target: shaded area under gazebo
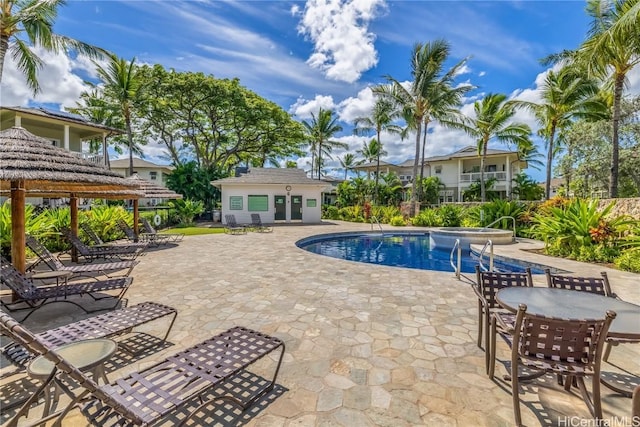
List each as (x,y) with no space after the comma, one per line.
(30,165)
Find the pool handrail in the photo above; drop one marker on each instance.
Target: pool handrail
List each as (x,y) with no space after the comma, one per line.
(500,219)
(457,268)
(484,248)
(373,218)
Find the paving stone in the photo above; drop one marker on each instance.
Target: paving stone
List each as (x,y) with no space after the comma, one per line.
(329,399)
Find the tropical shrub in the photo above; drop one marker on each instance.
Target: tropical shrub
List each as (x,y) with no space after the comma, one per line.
(385,213)
(103,219)
(629,260)
(451,215)
(352,213)
(427,218)
(186,210)
(580,231)
(474,192)
(398,221)
(330,212)
(492,211)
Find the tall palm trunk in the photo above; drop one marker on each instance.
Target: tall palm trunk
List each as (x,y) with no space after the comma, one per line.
(483,187)
(424,145)
(615,149)
(552,135)
(319,157)
(4,46)
(375,193)
(127,119)
(414,187)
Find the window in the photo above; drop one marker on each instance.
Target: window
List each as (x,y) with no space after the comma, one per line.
(153,175)
(235,203)
(55,142)
(491,168)
(438,169)
(311,203)
(258,203)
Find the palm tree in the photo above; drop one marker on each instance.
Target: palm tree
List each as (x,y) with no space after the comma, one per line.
(416,102)
(491,122)
(566,95)
(529,153)
(610,52)
(370,152)
(348,162)
(122,86)
(381,119)
(319,133)
(34,19)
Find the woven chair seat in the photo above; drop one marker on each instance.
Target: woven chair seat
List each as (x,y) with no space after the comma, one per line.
(35,297)
(104,325)
(92,252)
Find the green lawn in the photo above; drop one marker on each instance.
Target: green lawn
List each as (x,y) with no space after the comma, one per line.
(193,231)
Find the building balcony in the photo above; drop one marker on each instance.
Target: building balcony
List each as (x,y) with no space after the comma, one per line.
(475,176)
(97,159)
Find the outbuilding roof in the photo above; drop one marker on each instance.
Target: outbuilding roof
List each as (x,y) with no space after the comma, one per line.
(268,176)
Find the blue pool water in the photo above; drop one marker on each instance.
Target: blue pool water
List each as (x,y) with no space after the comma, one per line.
(399,250)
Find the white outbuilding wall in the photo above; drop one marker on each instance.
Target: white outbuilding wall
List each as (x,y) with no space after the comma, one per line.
(235,200)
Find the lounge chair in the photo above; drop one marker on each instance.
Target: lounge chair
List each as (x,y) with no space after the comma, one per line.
(105,325)
(232,226)
(91,253)
(256,224)
(146,397)
(35,297)
(152,239)
(97,241)
(104,268)
(150,231)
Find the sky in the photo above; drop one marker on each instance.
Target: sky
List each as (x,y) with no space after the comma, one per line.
(319,53)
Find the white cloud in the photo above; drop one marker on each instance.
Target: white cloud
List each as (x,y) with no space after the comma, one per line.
(482,73)
(303,108)
(58,83)
(343,46)
(359,106)
(465,69)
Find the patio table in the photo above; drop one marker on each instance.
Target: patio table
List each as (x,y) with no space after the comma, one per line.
(569,304)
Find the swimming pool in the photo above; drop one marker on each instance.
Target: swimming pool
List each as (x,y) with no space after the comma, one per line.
(410,250)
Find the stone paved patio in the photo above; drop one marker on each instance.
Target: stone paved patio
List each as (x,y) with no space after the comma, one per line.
(366,345)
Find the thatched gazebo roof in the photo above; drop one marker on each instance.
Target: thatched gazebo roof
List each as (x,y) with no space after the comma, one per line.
(152,190)
(31,164)
(34,160)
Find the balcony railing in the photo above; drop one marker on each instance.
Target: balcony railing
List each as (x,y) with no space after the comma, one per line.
(97,159)
(475,176)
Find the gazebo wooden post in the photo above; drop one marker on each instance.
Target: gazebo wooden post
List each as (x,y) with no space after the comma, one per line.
(135,219)
(73,205)
(17,226)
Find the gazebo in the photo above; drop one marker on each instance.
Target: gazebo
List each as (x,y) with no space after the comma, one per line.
(152,190)
(30,165)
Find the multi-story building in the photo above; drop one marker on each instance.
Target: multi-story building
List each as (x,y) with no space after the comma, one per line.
(64,130)
(458,170)
(152,172)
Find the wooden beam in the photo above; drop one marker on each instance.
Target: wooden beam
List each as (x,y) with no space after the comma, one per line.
(18,257)
(73,207)
(135,219)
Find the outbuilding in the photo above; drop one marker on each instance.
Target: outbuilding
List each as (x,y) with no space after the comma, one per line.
(277,194)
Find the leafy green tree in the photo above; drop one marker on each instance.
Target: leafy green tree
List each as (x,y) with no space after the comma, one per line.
(492,122)
(291,164)
(530,154)
(526,188)
(348,162)
(215,122)
(566,96)
(123,87)
(319,132)
(381,119)
(424,99)
(390,191)
(194,183)
(609,53)
(35,20)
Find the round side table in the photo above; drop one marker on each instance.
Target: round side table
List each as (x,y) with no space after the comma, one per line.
(86,355)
